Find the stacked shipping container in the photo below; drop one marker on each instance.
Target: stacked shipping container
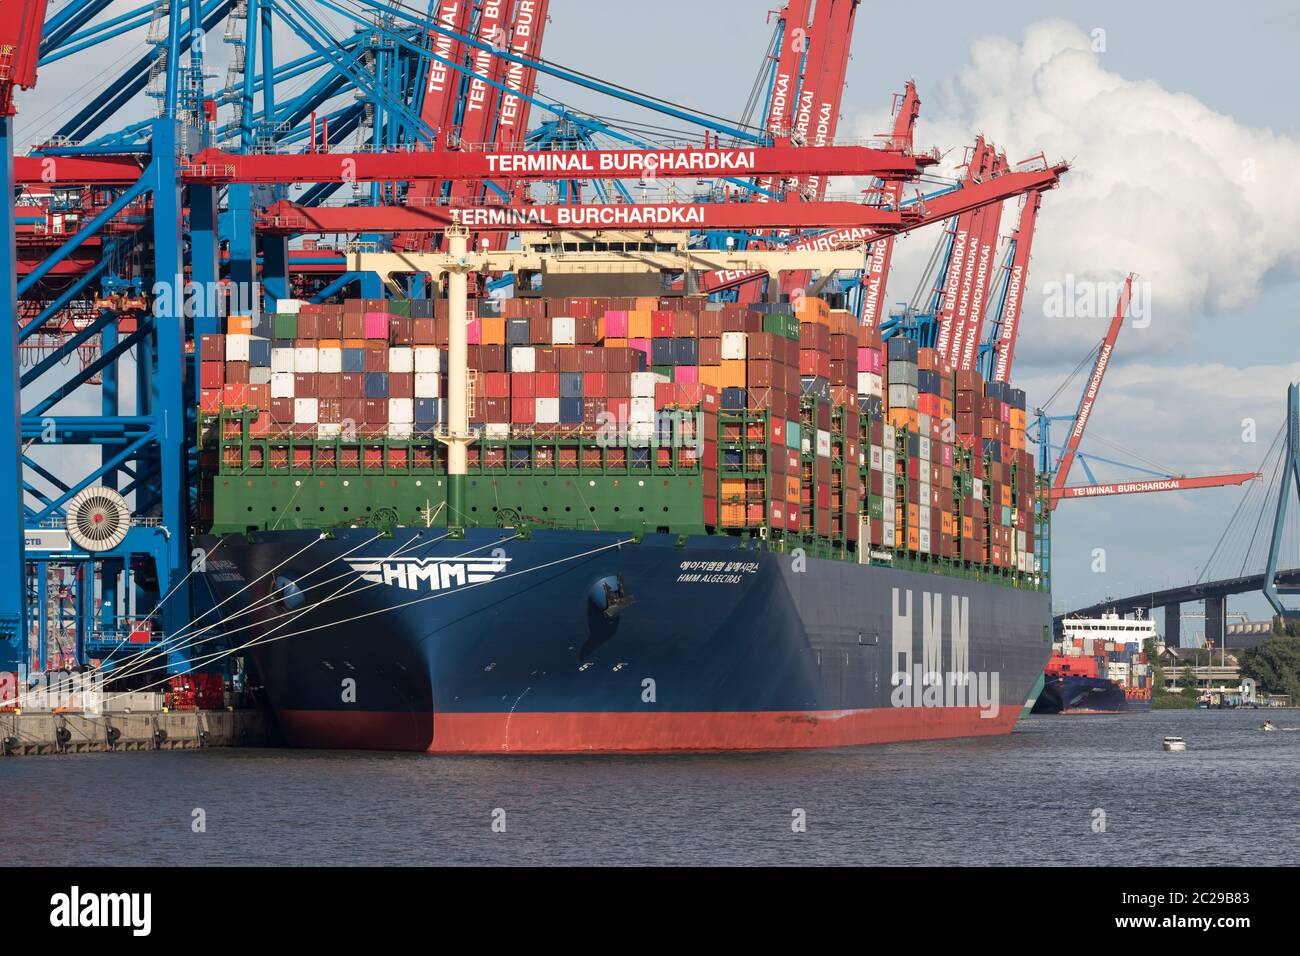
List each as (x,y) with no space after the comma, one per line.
(799,422)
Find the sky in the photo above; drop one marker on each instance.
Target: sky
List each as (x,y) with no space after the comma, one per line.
(1182,129)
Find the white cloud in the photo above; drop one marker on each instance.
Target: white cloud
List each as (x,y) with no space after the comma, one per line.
(1203,207)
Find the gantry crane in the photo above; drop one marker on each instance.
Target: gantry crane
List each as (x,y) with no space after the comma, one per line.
(1060,467)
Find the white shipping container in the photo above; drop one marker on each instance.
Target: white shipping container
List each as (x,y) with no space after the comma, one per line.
(869,383)
(501,429)
(733,345)
(640,432)
(331,361)
(889,437)
(259,375)
(288,306)
(428,358)
(401,411)
(547,411)
(823,443)
(400,429)
(427,384)
(306,360)
(304,411)
(641,410)
(282,384)
(564,330)
(401,360)
(887,487)
(923,444)
(977,485)
(523,359)
(923,513)
(237,347)
(281,360)
(925,540)
(329,430)
(643,384)
(877,458)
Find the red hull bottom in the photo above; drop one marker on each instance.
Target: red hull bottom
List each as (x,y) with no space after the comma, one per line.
(579,732)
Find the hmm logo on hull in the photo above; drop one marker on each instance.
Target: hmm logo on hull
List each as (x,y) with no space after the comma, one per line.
(430,574)
(925,683)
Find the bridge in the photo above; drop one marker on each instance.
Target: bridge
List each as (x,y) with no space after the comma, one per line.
(1171,600)
(1258,551)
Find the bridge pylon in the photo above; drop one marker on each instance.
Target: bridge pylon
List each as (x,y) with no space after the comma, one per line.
(1289,484)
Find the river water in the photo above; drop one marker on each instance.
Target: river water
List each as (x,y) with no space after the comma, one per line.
(1079,790)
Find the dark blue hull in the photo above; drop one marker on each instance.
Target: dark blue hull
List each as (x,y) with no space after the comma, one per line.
(586,641)
(1067,694)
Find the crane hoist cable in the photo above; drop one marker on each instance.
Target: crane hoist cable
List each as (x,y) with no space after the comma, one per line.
(414,12)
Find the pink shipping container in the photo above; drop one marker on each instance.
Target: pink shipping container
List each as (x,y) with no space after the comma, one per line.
(686,374)
(376,325)
(615,325)
(475,332)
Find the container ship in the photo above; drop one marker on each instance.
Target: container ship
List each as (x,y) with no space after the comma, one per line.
(1099,665)
(616,524)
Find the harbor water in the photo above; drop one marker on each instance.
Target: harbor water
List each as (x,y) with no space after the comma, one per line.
(1079,790)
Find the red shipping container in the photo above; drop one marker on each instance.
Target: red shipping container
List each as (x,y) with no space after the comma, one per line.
(376,356)
(496,385)
(330,325)
(354,325)
(329,411)
(328,385)
(236,373)
(352,385)
(522,385)
(259,396)
(376,411)
(594,384)
(522,410)
(546,384)
(210,400)
(546,360)
(304,385)
(618,384)
(354,410)
(400,330)
(234,396)
(212,348)
(401,385)
(661,324)
(211,374)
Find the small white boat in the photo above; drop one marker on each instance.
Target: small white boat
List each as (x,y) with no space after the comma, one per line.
(1175,743)
(1268,725)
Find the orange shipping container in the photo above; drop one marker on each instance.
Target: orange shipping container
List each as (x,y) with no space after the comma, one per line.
(733,373)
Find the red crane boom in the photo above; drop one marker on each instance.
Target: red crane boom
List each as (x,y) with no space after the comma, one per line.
(875,277)
(1014,300)
(1152,484)
(1090,393)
